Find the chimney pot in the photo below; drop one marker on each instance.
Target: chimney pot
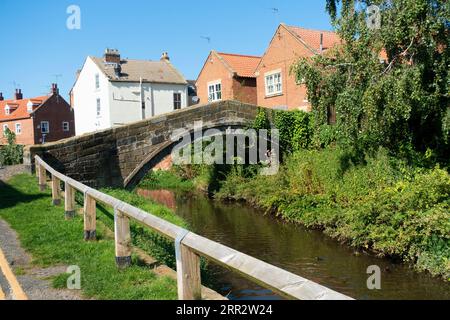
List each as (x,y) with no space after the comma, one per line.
(112,56)
(165,56)
(55,89)
(18,95)
(1,96)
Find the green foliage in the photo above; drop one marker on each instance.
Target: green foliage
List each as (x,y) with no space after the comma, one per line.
(378,203)
(402,100)
(52,240)
(295,127)
(11,153)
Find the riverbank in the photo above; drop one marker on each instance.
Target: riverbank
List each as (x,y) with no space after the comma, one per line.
(380,204)
(53,241)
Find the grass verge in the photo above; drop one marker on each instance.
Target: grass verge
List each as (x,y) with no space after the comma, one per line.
(52,240)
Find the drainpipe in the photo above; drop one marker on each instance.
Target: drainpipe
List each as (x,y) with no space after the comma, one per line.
(142,98)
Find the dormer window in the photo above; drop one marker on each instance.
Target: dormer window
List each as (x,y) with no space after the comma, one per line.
(7,110)
(29,106)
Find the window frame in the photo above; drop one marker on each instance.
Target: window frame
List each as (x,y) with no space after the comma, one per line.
(48,127)
(63,126)
(4,129)
(215,93)
(97,81)
(7,110)
(270,77)
(98,106)
(177,103)
(18,125)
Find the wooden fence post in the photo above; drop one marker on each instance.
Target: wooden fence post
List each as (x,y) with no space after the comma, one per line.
(56,191)
(122,236)
(42,178)
(188,271)
(36,169)
(90,222)
(69,204)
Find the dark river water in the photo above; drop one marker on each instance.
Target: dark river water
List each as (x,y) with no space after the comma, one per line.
(307,253)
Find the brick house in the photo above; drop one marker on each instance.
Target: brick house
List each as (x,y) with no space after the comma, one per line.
(276,87)
(226,76)
(36,120)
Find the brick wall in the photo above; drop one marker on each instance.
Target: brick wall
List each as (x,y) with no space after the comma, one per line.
(233,88)
(281,54)
(26,137)
(56,111)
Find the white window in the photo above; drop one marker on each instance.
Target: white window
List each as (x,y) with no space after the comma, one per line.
(18,128)
(7,110)
(45,127)
(97,81)
(214,91)
(5,126)
(99,108)
(65,126)
(274,83)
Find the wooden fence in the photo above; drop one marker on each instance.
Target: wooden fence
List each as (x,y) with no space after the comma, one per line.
(189,247)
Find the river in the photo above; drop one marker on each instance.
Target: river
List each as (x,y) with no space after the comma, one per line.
(308,253)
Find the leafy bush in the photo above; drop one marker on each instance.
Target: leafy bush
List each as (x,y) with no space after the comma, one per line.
(11,153)
(380,204)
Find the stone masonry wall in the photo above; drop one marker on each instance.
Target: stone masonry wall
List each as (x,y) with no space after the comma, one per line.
(107,158)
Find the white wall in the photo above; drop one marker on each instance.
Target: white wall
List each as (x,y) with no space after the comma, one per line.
(85,97)
(120,101)
(126,101)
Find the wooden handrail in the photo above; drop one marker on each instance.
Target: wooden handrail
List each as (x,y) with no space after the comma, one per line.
(189,246)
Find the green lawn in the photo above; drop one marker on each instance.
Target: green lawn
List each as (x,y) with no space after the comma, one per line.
(52,240)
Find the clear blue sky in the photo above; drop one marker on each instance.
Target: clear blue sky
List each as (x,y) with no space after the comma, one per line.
(35,44)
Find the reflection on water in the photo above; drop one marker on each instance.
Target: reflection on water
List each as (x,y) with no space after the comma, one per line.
(307,253)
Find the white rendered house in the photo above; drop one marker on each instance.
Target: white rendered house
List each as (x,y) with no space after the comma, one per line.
(111,91)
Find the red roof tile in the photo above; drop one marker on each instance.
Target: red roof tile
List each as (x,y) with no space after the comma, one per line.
(243,65)
(19,110)
(312,37)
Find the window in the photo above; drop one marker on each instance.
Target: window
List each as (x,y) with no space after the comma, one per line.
(45,127)
(7,110)
(99,108)
(214,91)
(5,127)
(18,128)
(177,101)
(274,84)
(97,81)
(66,127)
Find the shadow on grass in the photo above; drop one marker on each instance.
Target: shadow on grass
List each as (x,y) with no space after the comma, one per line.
(10,197)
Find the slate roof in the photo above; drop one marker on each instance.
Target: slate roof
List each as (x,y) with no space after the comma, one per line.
(149,71)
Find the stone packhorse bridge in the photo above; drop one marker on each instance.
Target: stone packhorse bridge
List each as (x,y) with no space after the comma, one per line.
(121,156)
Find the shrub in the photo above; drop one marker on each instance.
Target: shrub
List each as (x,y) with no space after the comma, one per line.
(11,153)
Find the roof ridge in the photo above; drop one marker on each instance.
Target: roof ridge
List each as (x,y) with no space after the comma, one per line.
(310,29)
(239,55)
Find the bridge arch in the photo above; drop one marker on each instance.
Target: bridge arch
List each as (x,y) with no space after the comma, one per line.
(118,156)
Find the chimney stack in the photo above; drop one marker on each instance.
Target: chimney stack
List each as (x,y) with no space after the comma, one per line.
(112,56)
(1,96)
(321,42)
(165,56)
(18,95)
(55,89)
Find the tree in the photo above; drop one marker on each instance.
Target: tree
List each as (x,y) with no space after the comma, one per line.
(11,153)
(403,100)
